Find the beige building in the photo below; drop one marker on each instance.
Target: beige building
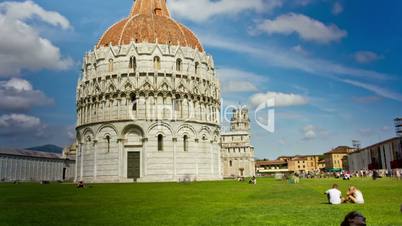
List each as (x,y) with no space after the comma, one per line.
(237,151)
(334,158)
(304,164)
(296,164)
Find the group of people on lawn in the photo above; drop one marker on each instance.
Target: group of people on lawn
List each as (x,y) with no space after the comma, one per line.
(353,196)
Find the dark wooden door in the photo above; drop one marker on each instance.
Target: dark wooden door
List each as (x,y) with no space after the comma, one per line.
(133,165)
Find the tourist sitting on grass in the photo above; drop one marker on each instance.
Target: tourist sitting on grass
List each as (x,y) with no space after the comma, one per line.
(354,219)
(334,195)
(354,196)
(253,180)
(80,184)
(376,175)
(398,174)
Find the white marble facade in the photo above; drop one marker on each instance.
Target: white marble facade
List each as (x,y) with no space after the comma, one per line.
(161,102)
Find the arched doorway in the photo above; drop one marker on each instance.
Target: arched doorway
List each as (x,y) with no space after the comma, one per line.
(133,153)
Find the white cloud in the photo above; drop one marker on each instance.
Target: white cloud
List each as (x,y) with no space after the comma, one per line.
(367,132)
(299,49)
(238,87)
(235,80)
(21,45)
(366,99)
(19,85)
(309,132)
(365,57)
(290,115)
(281,99)
(383,92)
(307,28)
(20,124)
(19,95)
(337,8)
(385,129)
(283,58)
(303,2)
(202,10)
(71,132)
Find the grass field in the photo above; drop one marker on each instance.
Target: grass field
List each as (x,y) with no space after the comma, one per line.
(269,202)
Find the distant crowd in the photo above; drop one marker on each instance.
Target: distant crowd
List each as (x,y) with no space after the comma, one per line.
(346,175)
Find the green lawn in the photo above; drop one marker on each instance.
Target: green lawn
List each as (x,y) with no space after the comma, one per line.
(269,202)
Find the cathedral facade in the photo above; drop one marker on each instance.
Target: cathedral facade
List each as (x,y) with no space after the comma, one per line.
(237,151)
(148,103)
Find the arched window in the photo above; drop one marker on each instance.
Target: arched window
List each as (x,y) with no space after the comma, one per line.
(185,143)
(110,65)
(197,65)
(158,11)
(178,65)
(108,142)
(230,163)
(157,63)
(160,142)
(133,63)
(134,102)
(177,103)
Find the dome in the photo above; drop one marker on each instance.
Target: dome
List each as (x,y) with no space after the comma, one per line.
(150,22)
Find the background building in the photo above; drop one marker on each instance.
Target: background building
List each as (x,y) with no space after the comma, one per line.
(333,158)
(26,165)
(386,155)
(398,127)
(237,151)
(269,167)
(304,164)
(148,103)
(291,164)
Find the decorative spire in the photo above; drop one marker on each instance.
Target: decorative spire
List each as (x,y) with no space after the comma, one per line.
(150,7)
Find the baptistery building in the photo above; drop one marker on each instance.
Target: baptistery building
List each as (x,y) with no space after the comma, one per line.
(148,103)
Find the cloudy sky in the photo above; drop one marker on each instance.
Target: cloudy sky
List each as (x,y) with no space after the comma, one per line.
(333,67)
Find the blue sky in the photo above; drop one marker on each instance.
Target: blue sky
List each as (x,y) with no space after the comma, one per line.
(333,66)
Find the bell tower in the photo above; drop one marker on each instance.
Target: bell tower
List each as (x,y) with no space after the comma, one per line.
(240,120)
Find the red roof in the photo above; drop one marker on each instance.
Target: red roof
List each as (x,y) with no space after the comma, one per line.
(149,22)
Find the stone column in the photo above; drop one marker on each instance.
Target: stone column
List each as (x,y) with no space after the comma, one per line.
(212,156)
(82,162)
(76,161)
(95,164)
(174,157)
(144,156)
(110,108)
(103,109)
(121,158)
(220,160)
(196,161)
(118,108)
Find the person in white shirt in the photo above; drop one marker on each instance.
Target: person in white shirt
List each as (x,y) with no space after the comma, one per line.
(354,196)
(334,195)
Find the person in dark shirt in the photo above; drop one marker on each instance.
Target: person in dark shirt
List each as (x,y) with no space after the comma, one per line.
(354,219)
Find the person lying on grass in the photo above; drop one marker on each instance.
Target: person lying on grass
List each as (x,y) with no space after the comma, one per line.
(334,195)
(354,196)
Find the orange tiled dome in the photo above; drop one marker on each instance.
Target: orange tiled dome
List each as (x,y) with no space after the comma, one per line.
(150,22)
